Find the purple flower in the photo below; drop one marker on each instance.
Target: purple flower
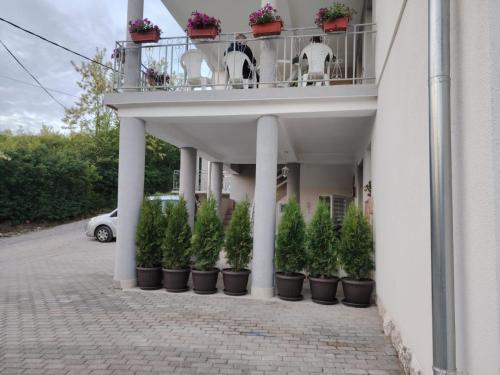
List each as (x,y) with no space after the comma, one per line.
(199,20)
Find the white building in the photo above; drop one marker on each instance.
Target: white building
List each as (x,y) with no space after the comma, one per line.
(366,119)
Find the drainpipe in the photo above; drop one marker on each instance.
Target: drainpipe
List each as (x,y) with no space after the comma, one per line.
(443,293)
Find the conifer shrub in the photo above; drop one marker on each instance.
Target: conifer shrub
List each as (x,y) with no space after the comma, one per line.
(321,244)
(177,240)
(239,242)
(290,256)
(149,235)
(208,236)
(356,244)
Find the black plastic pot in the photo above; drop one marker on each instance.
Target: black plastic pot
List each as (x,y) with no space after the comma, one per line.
(358,293)
(324,290)
(235,282)
(149,278)
(290,286)
(205,282)
(175,281)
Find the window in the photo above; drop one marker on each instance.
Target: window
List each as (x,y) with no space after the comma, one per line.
(337,205)
(114,213)
(339,209)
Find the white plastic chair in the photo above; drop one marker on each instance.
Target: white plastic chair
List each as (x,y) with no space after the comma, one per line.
(316,54)
(191,61)
(234,62)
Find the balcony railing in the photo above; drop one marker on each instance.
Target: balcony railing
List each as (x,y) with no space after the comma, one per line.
(202,181)
(304,57)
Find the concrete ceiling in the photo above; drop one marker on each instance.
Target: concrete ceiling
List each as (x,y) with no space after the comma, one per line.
(313,140)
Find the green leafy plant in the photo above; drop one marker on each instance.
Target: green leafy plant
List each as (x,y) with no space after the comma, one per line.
(177,240)
(321,244)
(356,244)
(149,236)
(239,241)
(336,10)
(208,236)
(290,257)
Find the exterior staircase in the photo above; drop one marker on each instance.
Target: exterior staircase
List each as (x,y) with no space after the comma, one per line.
(228,214)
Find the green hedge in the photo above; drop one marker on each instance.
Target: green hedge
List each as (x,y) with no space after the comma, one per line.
(49,176)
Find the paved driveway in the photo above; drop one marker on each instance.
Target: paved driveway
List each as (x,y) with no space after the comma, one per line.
(59,315)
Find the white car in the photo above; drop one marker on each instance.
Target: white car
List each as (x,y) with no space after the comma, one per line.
(104,227)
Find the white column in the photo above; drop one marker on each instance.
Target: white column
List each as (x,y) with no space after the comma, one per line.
(187,180)
(268,57)
(293,181)
(132,78)
(215,189)
(265,207)
(130,196)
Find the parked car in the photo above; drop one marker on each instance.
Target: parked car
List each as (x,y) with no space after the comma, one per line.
(104,227)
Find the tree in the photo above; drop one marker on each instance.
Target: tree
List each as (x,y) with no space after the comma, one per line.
(177,240)
(208,236)
(239,241)
(290,257)
(356,244)
(150,233)
(321,252)
(89,114)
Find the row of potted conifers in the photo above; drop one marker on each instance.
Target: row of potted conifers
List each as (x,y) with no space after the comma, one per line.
(166,249)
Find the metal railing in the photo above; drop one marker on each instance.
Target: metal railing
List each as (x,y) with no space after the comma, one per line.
(161,66)
(202,181)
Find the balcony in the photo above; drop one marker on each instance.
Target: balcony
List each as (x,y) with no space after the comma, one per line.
(304,57)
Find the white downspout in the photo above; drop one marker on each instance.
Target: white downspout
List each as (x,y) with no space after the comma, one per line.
(443,292)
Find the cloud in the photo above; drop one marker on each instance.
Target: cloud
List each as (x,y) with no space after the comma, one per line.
(80,25)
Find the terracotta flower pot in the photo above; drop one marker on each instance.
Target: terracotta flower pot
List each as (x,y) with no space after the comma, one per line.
(175,281)
(324,291)
(358,293)
(290,286)
(235,282)
(205,282)
(337,24)
(149,278)
(267,29)
(151,36)
(205,33)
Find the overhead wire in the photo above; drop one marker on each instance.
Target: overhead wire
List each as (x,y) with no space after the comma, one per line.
(55,44)
(31,75)
(31,84)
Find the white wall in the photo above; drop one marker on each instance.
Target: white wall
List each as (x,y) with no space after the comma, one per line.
(400,181)
(476,122)
(316,180)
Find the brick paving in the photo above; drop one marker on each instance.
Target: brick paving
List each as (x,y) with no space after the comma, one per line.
(59,315)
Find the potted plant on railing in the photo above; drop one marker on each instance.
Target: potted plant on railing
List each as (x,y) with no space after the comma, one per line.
(156,74)
(334,18)
(290,256)
(143,31)
(149,235)
(356,256)
(238,248)
(322,257)
(265,22)
(202,26)
(208,238)
(176,249)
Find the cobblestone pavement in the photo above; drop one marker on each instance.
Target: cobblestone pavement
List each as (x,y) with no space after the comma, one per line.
(59,315)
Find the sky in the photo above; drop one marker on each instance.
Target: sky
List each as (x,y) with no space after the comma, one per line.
(82,26)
